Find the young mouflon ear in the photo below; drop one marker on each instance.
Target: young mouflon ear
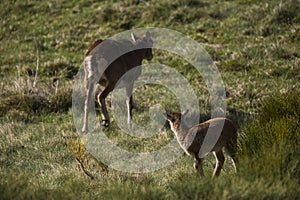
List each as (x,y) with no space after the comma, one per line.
(148,35)
(167,115)
(184,113)
(133,37)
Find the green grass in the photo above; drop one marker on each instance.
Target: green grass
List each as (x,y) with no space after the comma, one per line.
(255,46)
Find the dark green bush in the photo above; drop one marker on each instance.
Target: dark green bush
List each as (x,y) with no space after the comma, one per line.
(278,123)
(288,12)
(36,103)
(272,139)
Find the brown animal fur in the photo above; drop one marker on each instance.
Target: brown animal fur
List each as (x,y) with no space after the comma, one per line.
(100,54)
(191,139)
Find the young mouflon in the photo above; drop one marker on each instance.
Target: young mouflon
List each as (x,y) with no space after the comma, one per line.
(191,139)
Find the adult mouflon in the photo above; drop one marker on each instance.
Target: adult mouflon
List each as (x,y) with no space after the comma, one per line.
(100,65)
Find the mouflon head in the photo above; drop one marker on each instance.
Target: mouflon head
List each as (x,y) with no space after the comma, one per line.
(175,119)
(144,41)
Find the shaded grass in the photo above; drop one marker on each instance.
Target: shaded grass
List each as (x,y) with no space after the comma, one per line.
(35,103)
(48,162)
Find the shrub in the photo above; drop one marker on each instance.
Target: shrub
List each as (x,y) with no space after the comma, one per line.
(272,139)
(287,12)
(277,124)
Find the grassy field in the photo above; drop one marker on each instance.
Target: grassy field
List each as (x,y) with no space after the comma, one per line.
(255,46)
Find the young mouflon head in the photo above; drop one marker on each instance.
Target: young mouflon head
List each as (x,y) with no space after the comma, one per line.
(174,118)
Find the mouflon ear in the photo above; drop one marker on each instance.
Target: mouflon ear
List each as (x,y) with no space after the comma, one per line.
(184,113)
(133,37)
(148,35)
(167,115)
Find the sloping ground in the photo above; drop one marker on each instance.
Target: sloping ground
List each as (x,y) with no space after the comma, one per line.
(254,44)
